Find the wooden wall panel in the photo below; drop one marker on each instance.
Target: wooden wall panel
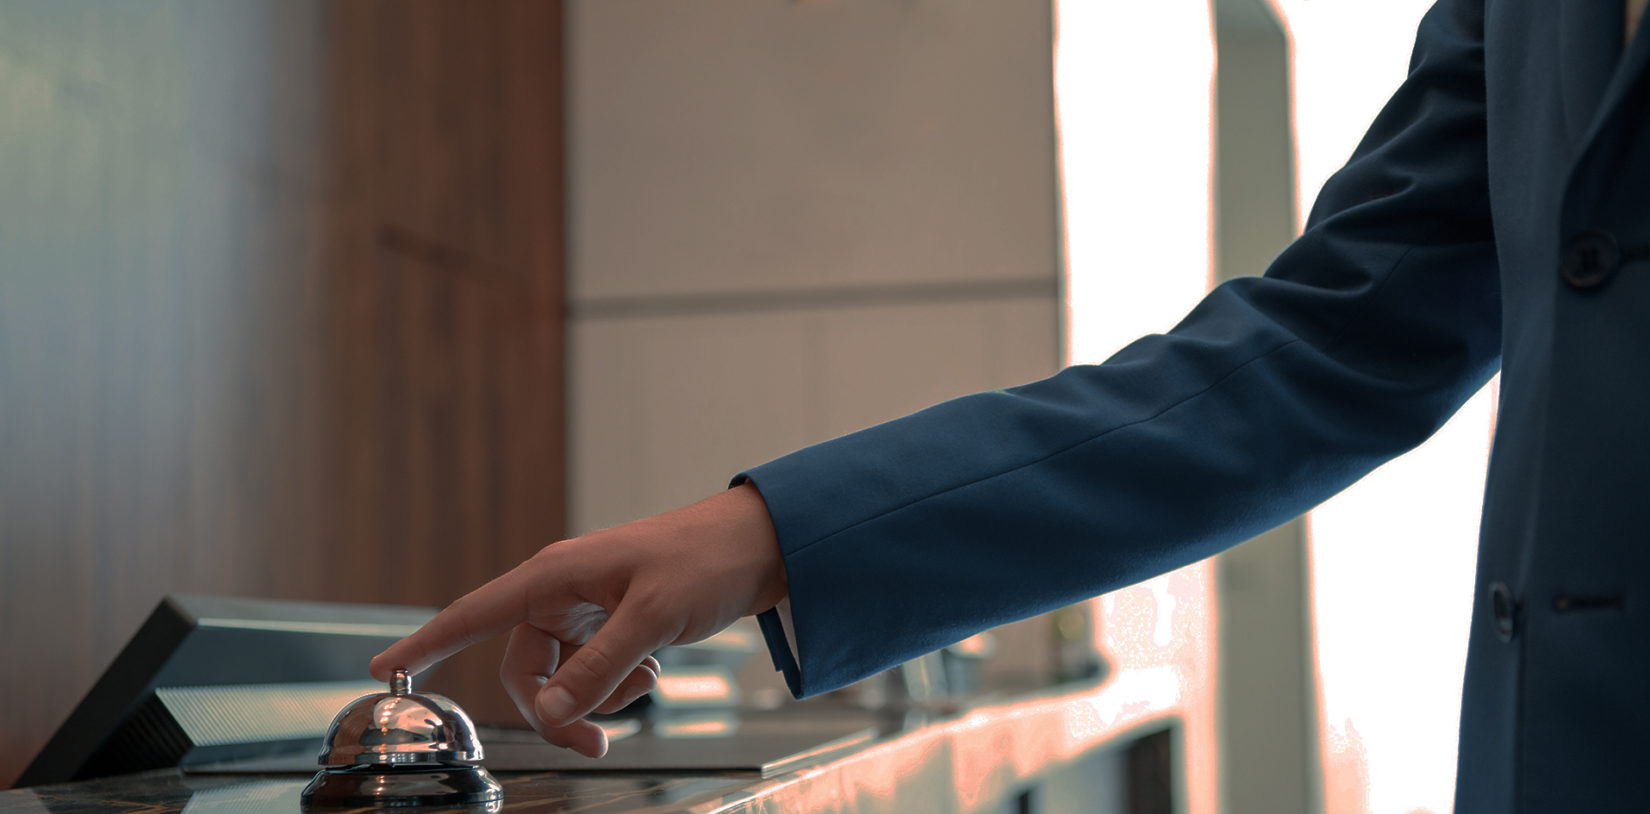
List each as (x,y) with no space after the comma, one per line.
(280,315)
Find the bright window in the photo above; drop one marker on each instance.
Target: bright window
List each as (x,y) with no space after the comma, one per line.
(1133,86)
(1389,672)
(1134,99)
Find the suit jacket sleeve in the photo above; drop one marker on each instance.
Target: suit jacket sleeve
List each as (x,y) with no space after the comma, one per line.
(1273,394)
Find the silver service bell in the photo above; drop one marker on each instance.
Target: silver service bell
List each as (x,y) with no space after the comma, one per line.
(401,748)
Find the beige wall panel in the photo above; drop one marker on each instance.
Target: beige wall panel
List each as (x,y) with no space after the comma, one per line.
(749,145)
(791,220)
(665,409)
(881,362)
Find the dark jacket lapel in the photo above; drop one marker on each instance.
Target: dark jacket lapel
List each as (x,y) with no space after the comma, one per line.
(1625,73)
(1589,52)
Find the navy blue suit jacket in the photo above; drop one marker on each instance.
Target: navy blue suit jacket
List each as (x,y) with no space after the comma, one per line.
(1494,215)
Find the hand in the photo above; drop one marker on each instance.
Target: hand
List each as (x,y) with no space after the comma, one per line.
(585,614)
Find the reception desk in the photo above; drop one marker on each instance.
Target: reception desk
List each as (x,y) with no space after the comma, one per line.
(1056,751)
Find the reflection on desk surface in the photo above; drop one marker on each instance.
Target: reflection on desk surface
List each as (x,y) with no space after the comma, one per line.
(762,744)
(168,791)
(650,766)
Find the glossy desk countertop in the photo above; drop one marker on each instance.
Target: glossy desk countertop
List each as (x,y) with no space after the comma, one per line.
(982,756)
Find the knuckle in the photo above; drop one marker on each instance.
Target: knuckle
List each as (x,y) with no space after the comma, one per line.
(549,550)
(649,608)
(460,621)
(591,666)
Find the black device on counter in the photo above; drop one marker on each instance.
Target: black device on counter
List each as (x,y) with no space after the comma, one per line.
(212,679)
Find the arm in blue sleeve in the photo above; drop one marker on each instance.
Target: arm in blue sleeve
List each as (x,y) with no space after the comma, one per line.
(1273,394)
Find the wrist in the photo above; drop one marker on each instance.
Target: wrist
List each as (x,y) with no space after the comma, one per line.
(754,530)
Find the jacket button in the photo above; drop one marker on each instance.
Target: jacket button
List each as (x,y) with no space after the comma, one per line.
(1504,611)
(1591,259)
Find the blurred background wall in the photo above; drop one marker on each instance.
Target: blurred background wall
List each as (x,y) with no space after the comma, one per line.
(282,283)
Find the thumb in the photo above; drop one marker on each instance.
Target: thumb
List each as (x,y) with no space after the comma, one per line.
(590,675)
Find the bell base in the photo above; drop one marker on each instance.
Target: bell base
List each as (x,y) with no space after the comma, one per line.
(395,787)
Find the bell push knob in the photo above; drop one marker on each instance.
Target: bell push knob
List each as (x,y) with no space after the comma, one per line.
(401,748)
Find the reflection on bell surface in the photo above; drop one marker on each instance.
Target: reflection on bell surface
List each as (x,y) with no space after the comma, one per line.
(401,748)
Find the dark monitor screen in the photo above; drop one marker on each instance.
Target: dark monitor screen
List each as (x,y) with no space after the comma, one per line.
(208,679)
